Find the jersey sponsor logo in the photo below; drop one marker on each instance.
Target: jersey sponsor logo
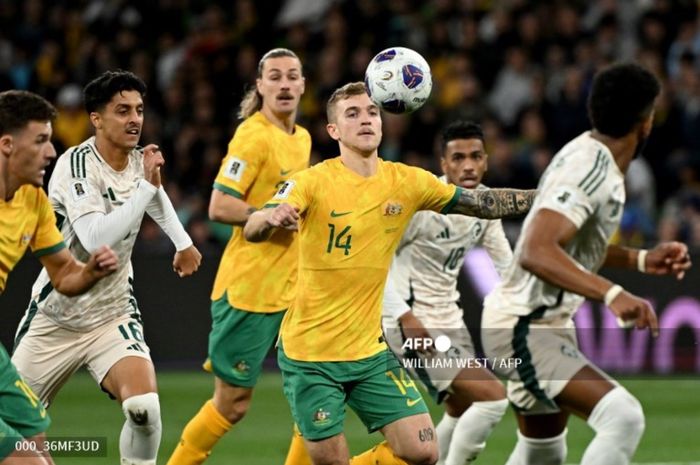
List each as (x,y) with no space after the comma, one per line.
(321,417)
(444,234)
(26,237)
(335,214)
(241,368)
(285,172)
(285,190)
(393,209)
(412,402)
(235,168)
(565,197)
(79,190)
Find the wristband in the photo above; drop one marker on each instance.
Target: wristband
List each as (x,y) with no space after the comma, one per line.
(641,260)
(612,293)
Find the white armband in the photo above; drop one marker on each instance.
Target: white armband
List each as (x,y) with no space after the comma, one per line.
(96,229)
(161,210)
(642,260)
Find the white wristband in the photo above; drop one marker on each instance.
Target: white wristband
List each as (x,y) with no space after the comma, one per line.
(642,260)
(612,293)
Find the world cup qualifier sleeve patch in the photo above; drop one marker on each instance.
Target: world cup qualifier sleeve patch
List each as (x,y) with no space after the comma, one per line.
(235,168)
(79,189)
(285,190)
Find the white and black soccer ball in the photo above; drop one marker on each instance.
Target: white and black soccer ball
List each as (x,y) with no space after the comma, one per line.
(398,80)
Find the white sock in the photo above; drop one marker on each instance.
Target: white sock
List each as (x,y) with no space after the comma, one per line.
(473,429)
(140,437)
(618,421)
(444,431)
(530,451)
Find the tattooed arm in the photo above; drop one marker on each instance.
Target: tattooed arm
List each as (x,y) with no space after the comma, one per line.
(494,203)
(228,209)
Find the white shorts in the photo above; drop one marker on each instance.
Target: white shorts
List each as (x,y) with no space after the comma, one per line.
(438,370)
(538,357)
(47,354)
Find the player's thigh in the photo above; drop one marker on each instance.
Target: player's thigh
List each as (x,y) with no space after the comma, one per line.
(333,450)
(381,391)
(412,438)
(542,426)
(474,385)
(315,394)
(119,359)
(47,355)
(22,415)
(239,342)
(583,392)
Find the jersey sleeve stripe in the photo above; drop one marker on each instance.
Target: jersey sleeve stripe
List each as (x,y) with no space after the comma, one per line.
(270,205)
(227,190)
(446,209)
(72,163)
(49,250)
(593,178)
(595,187)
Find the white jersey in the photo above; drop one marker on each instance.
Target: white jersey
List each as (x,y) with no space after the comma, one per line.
(429,258)
(82,182)
(584,184)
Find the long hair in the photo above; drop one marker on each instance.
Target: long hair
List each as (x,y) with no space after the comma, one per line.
(252,100)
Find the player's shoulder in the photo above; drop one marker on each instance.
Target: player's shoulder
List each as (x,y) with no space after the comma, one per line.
(405,171)
(76,161)
(582,149)
(30,196)
(255,126)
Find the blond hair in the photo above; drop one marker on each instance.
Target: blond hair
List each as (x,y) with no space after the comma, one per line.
(252,100)
(348,90)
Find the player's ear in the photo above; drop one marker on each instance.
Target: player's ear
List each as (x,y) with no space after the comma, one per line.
(258,84)
(96,120)
(486,162)
(6,144)
(332,129)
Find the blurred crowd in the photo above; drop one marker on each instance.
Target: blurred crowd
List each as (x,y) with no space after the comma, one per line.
(520,68)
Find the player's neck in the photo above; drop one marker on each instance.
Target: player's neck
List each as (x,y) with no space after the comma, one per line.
(7,186)
(284,121)
(362,164)
(115,157)
(622,148)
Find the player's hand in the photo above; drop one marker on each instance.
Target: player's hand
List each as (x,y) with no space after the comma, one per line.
(412,328)
(283,216)
(187,261)
(152,161)
(628,307)
(102,263)
(668,258)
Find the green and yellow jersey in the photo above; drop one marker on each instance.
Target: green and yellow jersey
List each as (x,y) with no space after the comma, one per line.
(27,220)
(349,228)
(260,277)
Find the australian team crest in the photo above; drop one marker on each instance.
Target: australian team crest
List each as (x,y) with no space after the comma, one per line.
(321,417)
(393,209)
(241,368)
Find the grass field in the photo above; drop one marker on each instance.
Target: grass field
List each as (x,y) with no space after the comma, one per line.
(672,408)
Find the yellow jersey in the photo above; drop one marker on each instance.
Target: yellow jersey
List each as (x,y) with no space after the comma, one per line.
(349,229)
(260,277)
(27,220)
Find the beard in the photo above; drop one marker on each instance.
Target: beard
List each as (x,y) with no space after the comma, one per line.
(641,144)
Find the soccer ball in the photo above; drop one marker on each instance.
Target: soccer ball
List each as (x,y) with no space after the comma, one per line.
(398,80)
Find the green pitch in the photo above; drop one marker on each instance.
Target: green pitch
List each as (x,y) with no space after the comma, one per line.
(82,410)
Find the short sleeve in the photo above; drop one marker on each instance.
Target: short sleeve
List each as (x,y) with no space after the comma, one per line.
(296,192)
(239,168)
(433,194)
(47,238)
(76,184)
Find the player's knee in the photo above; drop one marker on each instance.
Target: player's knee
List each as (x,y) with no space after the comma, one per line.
(142,410)
(545,451)
(235,409)
(619,415)
(425,454)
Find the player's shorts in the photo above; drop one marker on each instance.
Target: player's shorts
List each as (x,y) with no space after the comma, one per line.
(47,354)
(538,357)
(436,371)
(239,341)
(22,415)
(376,388)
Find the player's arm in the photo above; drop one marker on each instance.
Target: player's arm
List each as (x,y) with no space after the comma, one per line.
(263,223)
(228,209)
(493,203)
(71,277)
(544,256)
(666,258)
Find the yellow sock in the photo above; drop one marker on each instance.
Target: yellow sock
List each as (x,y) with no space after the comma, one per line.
(297,454)
(381,454)
(199,436)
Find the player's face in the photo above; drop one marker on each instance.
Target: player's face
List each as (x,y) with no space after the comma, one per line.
(358,124)
(281,84)
(121,120)
(32,152)
(464,162)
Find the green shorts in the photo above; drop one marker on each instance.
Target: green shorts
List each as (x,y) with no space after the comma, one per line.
(239,341)
(376,388)
(22,415)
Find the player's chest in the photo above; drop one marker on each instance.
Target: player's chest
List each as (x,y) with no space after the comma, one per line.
(117,188)
(17,226)
(446,238)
